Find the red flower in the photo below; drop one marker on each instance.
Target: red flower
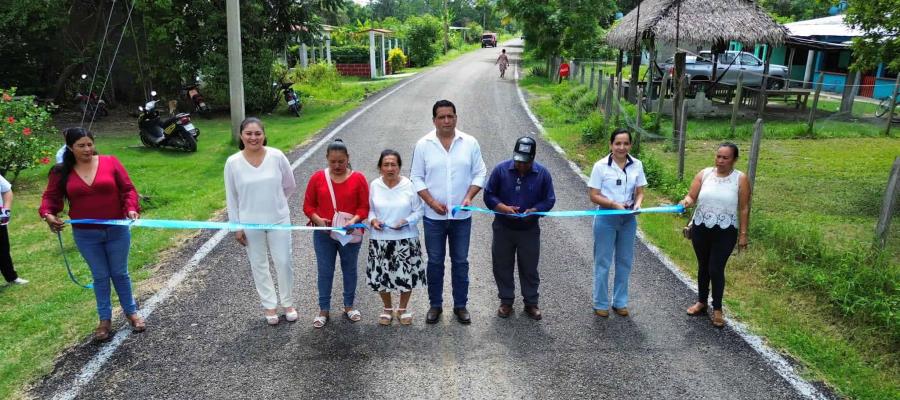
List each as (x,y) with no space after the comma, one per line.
(45,160)
(26,131)
(6,97)
(11,120)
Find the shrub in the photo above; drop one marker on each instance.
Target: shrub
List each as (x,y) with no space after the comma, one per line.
(320,74)
(25,133)
(571,97)
(592,131)
(538,71)
(353,54)
(423,35)
(586,103)
(473,35)
(396,59)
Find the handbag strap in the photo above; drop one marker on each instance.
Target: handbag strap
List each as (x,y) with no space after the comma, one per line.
(331,188)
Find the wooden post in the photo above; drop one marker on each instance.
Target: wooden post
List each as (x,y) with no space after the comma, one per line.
(678,97)
(790,66)
(737,101)
(849,94)
(620,89)
(754,152)
(635,74)
(890,116)
(888,205)
(573,70)
(600,89)
(581,73)
(607,101)
(682,135)
(593,68)
(812,111)
(763,96)
(663,88)
(639,110)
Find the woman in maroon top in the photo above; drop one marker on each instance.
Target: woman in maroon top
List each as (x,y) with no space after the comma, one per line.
(351,194)
(96,187)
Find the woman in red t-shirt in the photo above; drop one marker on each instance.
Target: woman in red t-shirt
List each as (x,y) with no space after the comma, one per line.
(96,187)
(351,195)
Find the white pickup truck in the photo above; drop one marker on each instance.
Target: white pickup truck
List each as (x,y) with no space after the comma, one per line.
(731,63)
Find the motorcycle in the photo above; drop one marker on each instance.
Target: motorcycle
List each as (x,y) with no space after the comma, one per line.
(291,98)
(177,131)
(91,104)
(191,92)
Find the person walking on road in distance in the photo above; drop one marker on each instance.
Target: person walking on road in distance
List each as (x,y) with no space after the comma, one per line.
(722,197)
(336,196)
(519,185)
(447,170)
(503,61)
(617,183)
(6,262)
(96,187)
(258,182)
(395,255)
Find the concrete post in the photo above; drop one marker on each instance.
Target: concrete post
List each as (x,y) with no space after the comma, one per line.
(372,66)
(235,67)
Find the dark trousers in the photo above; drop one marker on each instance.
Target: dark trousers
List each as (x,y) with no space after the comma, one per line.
(509,247)
(713,246)
(6,263)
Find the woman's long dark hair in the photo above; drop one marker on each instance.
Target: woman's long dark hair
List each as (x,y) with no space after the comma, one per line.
(68,164)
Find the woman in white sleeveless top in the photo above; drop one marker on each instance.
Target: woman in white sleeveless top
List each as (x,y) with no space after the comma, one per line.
(722,196)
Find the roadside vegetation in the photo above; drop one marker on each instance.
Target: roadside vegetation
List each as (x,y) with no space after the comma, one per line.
(811,283)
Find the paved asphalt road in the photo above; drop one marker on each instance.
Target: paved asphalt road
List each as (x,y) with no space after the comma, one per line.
(209,340)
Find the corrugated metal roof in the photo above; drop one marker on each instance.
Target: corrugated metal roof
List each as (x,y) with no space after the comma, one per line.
(827,26)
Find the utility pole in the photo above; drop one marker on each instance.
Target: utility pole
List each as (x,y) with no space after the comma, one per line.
(235,69)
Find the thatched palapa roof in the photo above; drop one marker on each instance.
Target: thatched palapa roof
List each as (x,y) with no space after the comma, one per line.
(702,22)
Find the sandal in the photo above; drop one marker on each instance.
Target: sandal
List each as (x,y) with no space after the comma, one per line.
(718,319)
(320,321)
(272,320)
(290,314)
(137,323)
(386,317)
(697,309)
(353,315)
(405,316)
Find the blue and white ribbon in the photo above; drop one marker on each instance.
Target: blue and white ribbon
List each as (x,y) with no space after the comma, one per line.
(675,209)
(173,224)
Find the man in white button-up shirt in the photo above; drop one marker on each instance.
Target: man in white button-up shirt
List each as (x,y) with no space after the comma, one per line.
(447,170)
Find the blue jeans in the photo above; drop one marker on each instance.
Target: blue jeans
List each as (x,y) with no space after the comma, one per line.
(613,236)
(327,250)
(106,253)
(438,233)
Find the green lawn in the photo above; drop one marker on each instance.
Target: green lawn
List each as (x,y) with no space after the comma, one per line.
(39,320)
(808,284)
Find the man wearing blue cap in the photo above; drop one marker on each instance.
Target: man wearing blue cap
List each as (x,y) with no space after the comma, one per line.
(516,186)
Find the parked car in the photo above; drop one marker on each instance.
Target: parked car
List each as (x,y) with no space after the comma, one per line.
(731,63)
(489,39)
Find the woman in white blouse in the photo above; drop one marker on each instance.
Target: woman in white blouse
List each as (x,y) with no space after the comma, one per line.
(617,183)
(722,196)
(395,255)
(258,182)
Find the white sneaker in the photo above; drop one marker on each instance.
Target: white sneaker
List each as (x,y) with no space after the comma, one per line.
(19,281)
(291,315)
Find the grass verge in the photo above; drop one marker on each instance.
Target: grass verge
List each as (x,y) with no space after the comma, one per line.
(809,284)
(39,320)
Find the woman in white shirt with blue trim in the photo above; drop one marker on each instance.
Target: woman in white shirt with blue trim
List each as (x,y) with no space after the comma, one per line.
(395,255)
(617,183)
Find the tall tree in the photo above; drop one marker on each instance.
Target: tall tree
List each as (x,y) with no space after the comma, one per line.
(880,20)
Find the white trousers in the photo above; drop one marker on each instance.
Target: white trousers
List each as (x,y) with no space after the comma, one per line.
(259,244)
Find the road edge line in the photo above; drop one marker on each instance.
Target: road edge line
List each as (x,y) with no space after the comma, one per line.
(92,367)
(781,365)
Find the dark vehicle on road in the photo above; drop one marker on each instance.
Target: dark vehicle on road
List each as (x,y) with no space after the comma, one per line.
(489,39)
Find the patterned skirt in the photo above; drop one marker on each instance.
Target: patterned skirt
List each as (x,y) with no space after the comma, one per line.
(395,265)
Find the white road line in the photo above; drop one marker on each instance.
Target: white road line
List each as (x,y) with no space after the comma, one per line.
(775,360)
(90,370)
